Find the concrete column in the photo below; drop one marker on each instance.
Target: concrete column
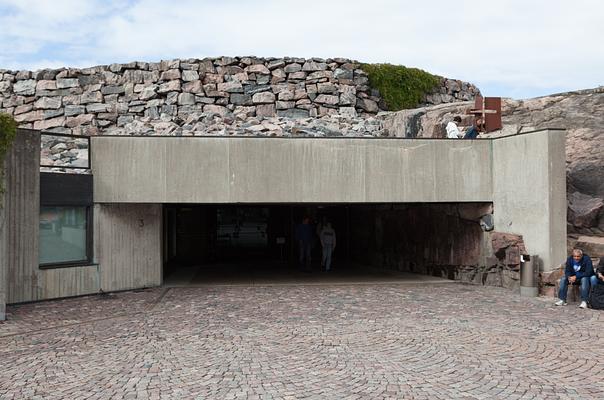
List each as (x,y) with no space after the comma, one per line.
(128,240)
(3,255)
(19,214)
(22,216)
(529,192)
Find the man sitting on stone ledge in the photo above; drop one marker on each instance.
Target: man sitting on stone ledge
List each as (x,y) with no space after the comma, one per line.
(579,269)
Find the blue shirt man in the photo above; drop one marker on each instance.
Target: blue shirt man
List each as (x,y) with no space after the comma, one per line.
(578,269)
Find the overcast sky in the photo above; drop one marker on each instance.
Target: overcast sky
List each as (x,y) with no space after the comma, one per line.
(508,48)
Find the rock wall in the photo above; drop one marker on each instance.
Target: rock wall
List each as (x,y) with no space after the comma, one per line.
(444,240)
(226,95)
(582,114)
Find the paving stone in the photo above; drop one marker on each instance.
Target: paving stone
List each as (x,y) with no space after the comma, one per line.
(364,341)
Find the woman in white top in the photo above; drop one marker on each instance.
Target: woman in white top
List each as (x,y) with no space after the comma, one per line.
(453,131)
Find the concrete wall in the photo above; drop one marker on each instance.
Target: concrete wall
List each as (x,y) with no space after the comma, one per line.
(66,282)
(530,192)
(19,241)
(3,251)
(128,255)
(128,245)
(21,279)
(277,170)
(19,238)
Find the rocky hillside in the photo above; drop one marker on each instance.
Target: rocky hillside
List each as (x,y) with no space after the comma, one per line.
(580,112)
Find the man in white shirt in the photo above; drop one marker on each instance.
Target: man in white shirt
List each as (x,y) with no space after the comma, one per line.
(453,131)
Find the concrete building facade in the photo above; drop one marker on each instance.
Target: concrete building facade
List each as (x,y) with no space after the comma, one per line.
(137,181)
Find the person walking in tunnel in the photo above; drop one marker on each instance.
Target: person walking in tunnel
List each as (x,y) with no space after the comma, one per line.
(328,244)
(579,270)
(304,236)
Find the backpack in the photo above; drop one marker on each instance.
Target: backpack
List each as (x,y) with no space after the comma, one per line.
(596,298)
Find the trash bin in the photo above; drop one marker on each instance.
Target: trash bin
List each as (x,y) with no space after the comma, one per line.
(529,269)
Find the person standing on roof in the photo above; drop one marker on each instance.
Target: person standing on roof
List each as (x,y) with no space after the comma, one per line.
(474,130)
(453,131)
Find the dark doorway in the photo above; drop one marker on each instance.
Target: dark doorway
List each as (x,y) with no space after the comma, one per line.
(252,236)
(257,240)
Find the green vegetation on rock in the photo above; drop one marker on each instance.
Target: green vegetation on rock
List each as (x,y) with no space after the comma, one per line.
(399,86)
(8,130)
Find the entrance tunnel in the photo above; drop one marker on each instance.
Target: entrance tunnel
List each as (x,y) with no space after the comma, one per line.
(204,242)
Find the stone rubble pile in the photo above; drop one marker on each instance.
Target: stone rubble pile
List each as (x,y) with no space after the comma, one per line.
(224,95)
(64,151)
(200,124)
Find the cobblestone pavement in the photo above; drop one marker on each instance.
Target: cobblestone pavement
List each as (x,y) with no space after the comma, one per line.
(389,341)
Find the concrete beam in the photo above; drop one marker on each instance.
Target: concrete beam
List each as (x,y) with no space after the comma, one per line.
(288,170)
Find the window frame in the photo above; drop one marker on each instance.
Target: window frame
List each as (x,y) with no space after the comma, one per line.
(89,242)
(68,191)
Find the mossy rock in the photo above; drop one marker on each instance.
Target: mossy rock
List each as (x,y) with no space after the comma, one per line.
(8,130)
(400,87)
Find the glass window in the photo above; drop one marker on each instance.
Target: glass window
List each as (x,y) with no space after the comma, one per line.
(63,234)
